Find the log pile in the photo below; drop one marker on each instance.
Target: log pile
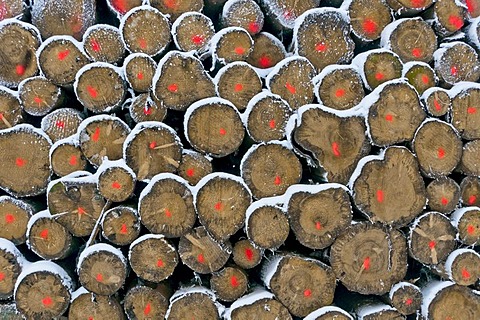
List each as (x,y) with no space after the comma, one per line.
(240,159)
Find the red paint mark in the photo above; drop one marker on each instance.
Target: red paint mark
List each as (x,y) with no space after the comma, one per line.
(437,105)
(44,234)
(470,6)
(218,206)
(47,301)
(265,62)
(148,309)
(173,87)
(198,39)
(254,27)
(389,118)
(60,124)
(432,244)
(190,172)
(335,150)
(249,254)
(441,153)
(81,211)
(465,274)
(318,225)
(140,76)
(272,124)
(240,50)
(418,3)
(339,93)
(73,160)
(369,26)
(168,213)
(409,301)
(20,69)
(456,21)
(472,199)
(99,277)
(120,6)
(290,88)
(160,263)
(472,110)
(379,76)
(425,79)
(321,47)
(9,218)
(92,92)
(234,282)
(417,52)
(223,131)
(142,43)
(288,14)
(147,111)
(38,100)
(448,318)
(307,293)
(20,162)
(201,258)
(470,229)
(63,54)
(380,196)
(171,4)
(366,263)
(444,201)
(2,276)
(1,116)
(277,181)
(238,87)
(152,145)
(95,45)
(96,134)
(123,229)
(453,70)
(116,185)
(90,318)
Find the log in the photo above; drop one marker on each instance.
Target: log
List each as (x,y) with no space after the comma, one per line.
(60,58)
(465,114)
(470,191)
(266,117)
(94,306)
(420,75)
(213,126)
(17,55)
(121,225)
(11,264)
(152,258)
(103,43)
(318,214)
(192,31)
(43,291)
(449,16)
(368,18)
(292,79)
(369,259)
(408,7)
(14,216)
(145,29)
(443,195)
(221,202)
(270,168)
(378,66)
(467,222)
(405,297)
(378,311)
(47,238)
(61,123)
(413,39)
(323,37)
(473,8)
(238,82)
(329,312)
(175,8)
(455,62)
(24,161)
(463,267)
(12,9)
(283,14)
(300,284)
(339,87)
(139,70)
(437,102)
(201,253)
(101,269)
(468,163)
(152,148)
(145,107)
(142,302)
(245,14)
(66,157)
(121,7)
(431,238)
(115,181)
(267,51)
(231,44)
(194,166)
(10,108)
(75,202)
(177,73)
(198,301)
(229,284)
(39,96)
(246,255)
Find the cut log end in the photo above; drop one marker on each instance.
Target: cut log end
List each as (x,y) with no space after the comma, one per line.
(95,307)
(438,103)
(465,115)
(229,284)
(145,303)
(121,225)
(246,255)
(145,107)
(369,18)
(49,239)
(39,96)
(468,163)
(234,44)
(67,158)
(61,123)
(175,8)
(267,51)
(470,191)
(196,304)
(457,62)
(463,267)
(443,195)
(245,14)
(340,89)
(10,269)
(194,166)
(193,31)
(139,71)
(116,183)
(104,43)
(14,216)
(468,226)
(10,109)
(421,77)
(267,227)
(406,298)
(440,306)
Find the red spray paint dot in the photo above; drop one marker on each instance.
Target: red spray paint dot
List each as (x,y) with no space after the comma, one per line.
(37,100)
(380,196)
(60,124)
(444,201)
(1,116)
(234,282)
(201,258)
(288,14)
(9,218)
(456,21)
(472,110)
(96,134)
(99,277)
(20,69)
(453,70)
(142,43)
(240,50)
(432,244)
(290,88)
(366,263)
(47,301)
(417,52)
(369,26)
(63,54)
(44,234)
(272,124)
(190,172)
(441,153)
(249,254)
(321,47)
(335,150)
(318,225)
(238,87)
(307,293)
(465,274)
(168,213)
(218,206)
(222,131)
(95,45)
(152,145)
(90,318)
(470,6)
(425,79)
(20,162)
(470,229)
(389,118)
(123,229)
(92,92)
(379,76)
(116,185)
(2,276)
(160,263)
(147,111)
(73,160)
(409,301)
(198,39)
(140,76)
(171,4)
(265,62)
(81,211)
(253,27)
(339,93)
(437,105)
(120,6)
(148,309)
(472,199)
(173,87)
(418,3)
(277,181)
